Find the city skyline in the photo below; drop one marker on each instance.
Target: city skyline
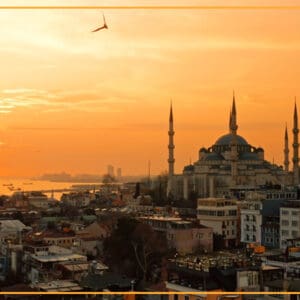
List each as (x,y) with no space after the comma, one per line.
(75,102)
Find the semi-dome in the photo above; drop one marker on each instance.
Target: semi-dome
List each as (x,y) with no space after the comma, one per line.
(227,138)
(249,156)
(189,168)
(213,156)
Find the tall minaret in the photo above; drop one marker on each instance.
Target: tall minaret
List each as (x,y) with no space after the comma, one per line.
(296,147)
(286,150)
(233,117)
(233,143)
(171,147)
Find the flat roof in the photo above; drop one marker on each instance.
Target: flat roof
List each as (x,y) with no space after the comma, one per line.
(60,286)
(58,257)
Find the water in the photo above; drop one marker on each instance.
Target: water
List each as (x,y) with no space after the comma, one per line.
(36,185)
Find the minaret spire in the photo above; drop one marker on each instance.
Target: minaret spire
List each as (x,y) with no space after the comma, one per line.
(286,150)
(296,146)
(230,120)
(233,143)
(171,147)
(233,117)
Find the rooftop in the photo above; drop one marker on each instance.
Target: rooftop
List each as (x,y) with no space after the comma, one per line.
(59,286)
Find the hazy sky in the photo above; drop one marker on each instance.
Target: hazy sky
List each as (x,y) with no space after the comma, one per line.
(75,101)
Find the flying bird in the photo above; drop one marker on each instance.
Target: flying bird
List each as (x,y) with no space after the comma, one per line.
(102,27)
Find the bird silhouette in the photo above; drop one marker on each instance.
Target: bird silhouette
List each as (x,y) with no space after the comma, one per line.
(102,27)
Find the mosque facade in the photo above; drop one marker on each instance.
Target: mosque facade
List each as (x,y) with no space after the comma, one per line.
(231,163)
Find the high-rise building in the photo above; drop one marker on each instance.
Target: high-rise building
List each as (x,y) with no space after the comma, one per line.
(110,170)
(119,173)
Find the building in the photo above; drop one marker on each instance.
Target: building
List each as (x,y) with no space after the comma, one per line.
(254,278)
(40,260)
(270,232)
(119,174)
(185,236)
(289,222)
(256,212)
(251,221)
(12,230)
(78,199)
(230,163)
(110,171)
(221,215)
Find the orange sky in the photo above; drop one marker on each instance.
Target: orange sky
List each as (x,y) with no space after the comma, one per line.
(75,101)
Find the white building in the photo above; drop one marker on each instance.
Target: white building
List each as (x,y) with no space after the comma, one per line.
(289,222)
(251,221)
(221,215)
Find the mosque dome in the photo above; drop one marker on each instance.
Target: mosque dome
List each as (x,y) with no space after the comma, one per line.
(226,139)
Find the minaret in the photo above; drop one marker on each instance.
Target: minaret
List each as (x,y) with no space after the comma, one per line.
(233,117)
(230,120)
(233,143)
(296,147)
(286,150)
(171,147)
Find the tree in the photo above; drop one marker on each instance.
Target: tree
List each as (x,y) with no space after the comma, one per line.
(51,225)
(18,216)
(218,242)
(133,248)
(147,247)
(159,192)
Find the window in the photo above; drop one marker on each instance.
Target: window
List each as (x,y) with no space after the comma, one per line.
(284,232)
(285,223)
(295,213)
(175,297)
(285,212)
(294,234)
(232,222)
(294,223)
(232,232)
(186,298)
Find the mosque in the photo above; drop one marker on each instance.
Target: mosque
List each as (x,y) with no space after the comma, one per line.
(231,163)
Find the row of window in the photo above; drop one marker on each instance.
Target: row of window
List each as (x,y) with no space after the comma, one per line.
(287,223)
(228,223)
(252,228)
(248,238)
(282,196)
(287,212)
(250,218)
(216,213)
(228,232)
(294,233)
(54,242)
(271,240)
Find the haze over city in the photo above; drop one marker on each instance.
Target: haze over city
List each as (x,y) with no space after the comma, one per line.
(73,101)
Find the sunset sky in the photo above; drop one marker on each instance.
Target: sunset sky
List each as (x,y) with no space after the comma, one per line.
(76,101)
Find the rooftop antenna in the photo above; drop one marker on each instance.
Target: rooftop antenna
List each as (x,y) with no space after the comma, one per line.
(149,172)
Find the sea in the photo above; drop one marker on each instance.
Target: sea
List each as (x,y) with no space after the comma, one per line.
(10,186)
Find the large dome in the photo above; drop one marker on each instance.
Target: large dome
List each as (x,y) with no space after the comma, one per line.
(227,138)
